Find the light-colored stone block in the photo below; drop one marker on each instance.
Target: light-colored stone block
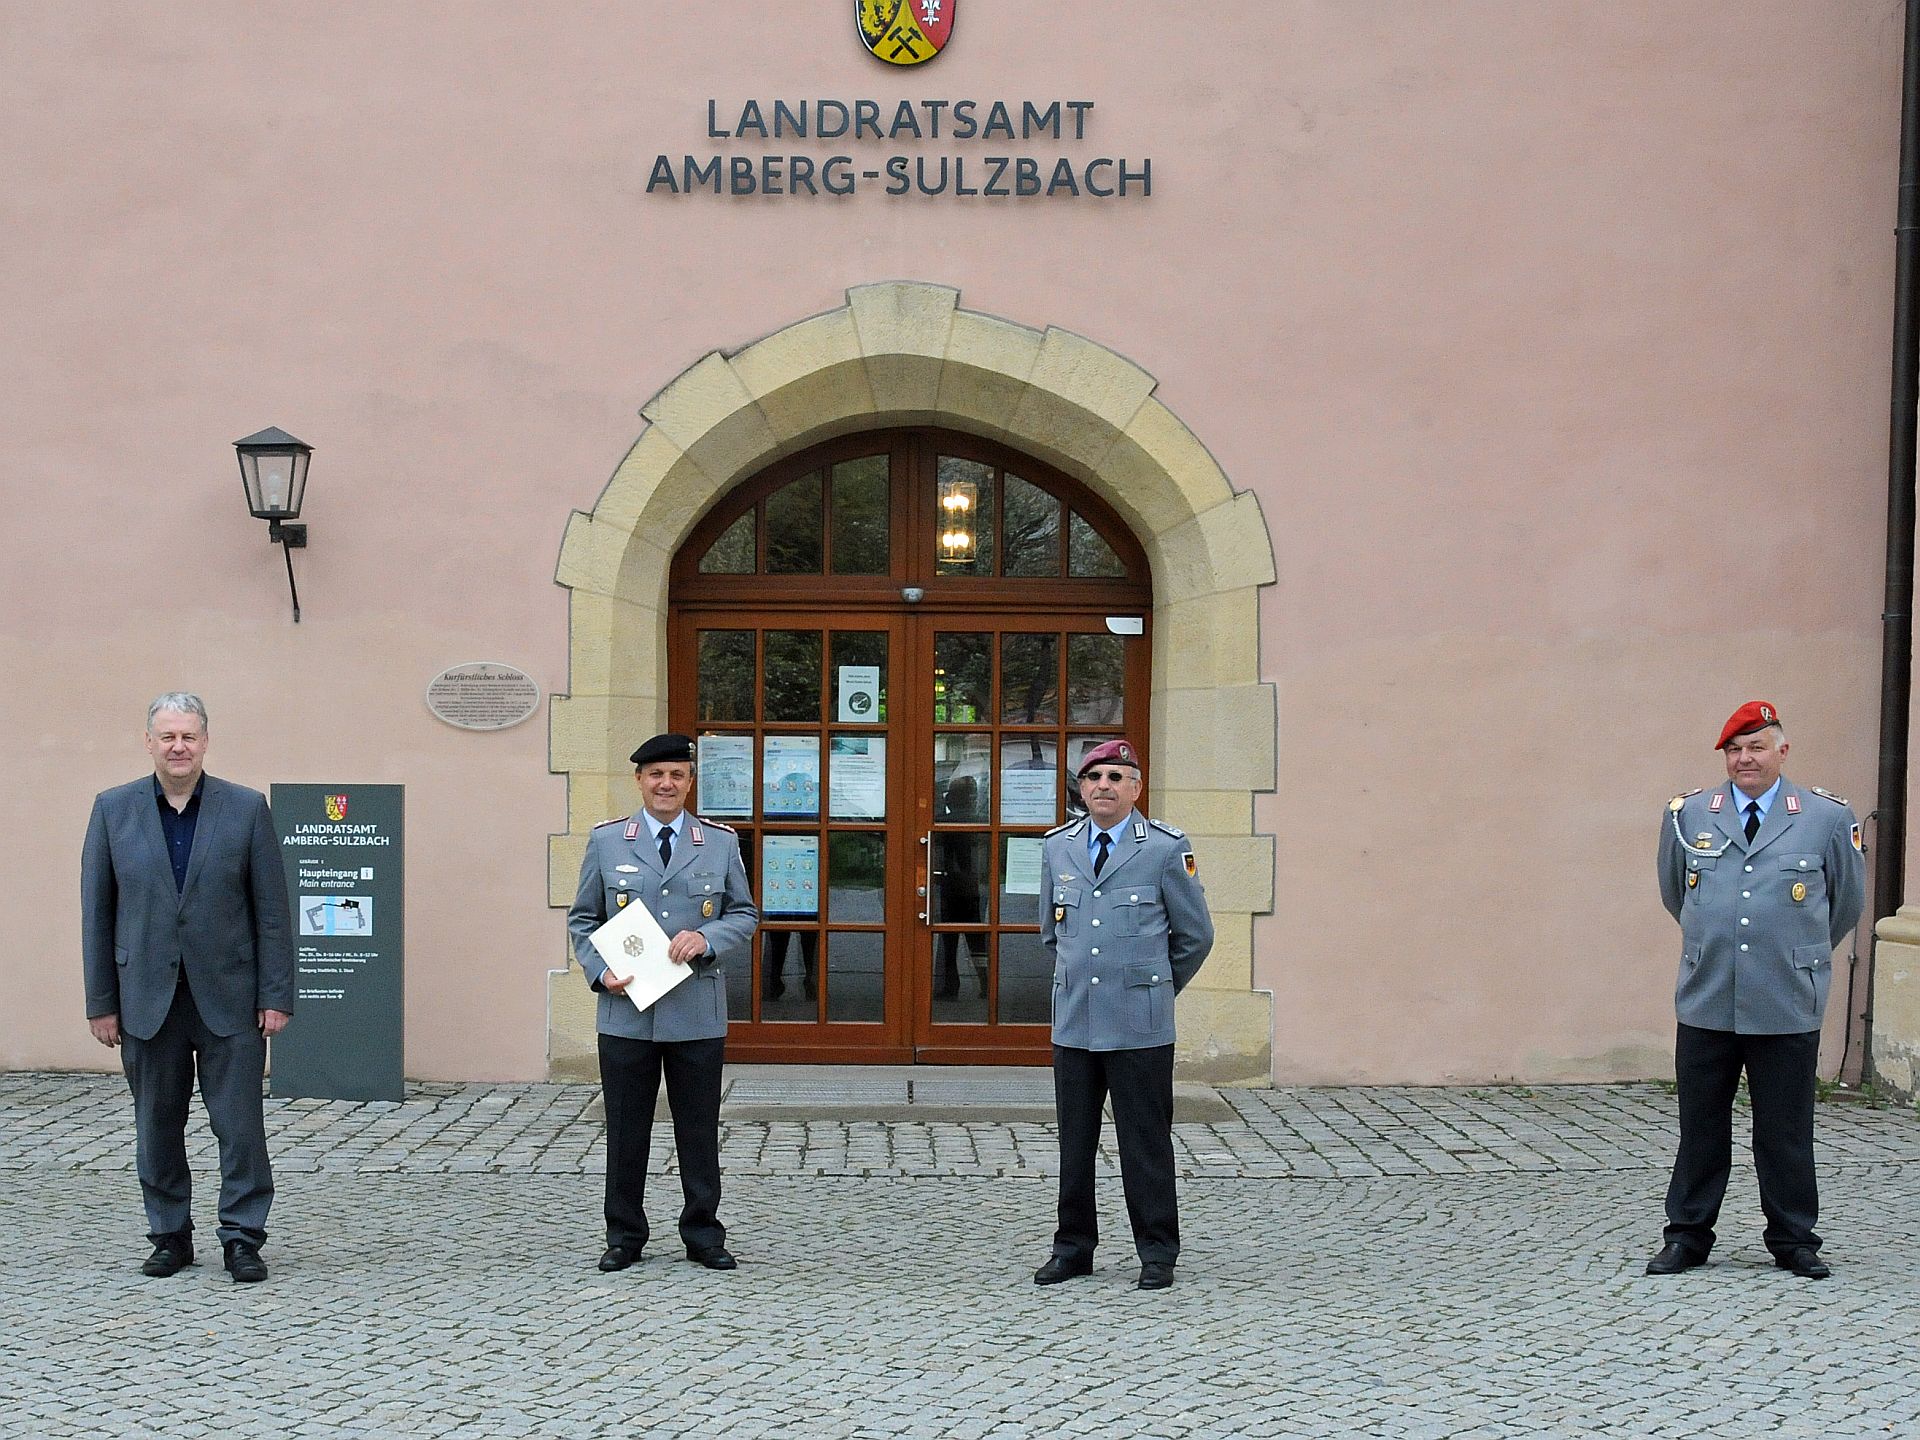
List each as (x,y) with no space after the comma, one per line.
(1225,1037)
(1228,736)
(573,1047)
(595,732)
(1206,812)
(1229,965)
(988,361)
(839,396)
(900,317)
(1099,381)
(593,796)
(564,853)
(635,478)
(1160,473)
(1210,639)
(1225,548)
(1896,1003)
(613,649)
(591,555)
(1062,432)
(1236,869)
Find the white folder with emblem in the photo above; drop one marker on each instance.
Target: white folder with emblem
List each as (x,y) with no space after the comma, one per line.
(634,948)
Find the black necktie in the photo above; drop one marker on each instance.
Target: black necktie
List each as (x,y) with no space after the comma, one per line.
(1753,818)
(666,845)
(1101,845)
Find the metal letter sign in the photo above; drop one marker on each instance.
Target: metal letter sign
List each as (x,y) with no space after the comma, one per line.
(346,877)
(904,32)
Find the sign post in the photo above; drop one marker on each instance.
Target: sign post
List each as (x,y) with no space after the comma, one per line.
(346,868)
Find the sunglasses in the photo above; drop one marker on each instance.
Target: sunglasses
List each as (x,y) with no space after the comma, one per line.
(1112,777)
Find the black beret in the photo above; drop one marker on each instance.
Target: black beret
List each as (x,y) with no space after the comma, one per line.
(663,748)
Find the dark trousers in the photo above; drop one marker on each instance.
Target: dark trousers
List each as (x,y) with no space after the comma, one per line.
(1780,1071)
(160,1072)
(630,1073)
(1141,1084)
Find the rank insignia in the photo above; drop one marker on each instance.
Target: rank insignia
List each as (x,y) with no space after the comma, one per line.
(1799,891)
(1193,866)
(633,830)
(706,909)
(693,834)
(1719,799)
(904,32)
(620,900)
(1793,804)
(1693,879)
(1856,838)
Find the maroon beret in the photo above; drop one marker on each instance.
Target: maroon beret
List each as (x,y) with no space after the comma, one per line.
(1119,751)
(1752,716)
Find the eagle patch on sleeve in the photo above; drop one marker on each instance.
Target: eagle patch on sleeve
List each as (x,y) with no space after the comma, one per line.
(1193,866)
(1855,837)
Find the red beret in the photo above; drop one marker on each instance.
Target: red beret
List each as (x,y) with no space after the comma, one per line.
(1116,750)
(1752,716)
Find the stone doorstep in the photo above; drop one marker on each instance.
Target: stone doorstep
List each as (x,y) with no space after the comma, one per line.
(921,1094)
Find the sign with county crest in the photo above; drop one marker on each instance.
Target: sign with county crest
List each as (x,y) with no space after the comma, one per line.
(905,32)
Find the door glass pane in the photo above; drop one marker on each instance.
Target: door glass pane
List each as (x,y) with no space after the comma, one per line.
(960,978)
(732,553)
(963,538)
(1087,554)
(790,877)
(1096,679)
(1029,780)
(739,975)
(792,680)
(856,976)
(857,777)
(1019,880)
(790,777)
(1026,980)
(959,877)
(788,975)
(723,778)
(857,879)
(725,682)
(860,676)
(1033,529)
(861,515)
(1029,679)
(793,527)
(961,779)
(962,678)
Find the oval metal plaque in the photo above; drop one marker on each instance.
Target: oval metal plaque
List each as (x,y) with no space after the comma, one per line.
(483,695)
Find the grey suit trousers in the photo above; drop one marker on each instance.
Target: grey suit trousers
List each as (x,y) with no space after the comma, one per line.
(160,1072)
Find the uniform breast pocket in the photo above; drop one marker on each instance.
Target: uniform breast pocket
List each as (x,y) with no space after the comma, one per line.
(1699,872)
(702,884)
(1138,909)
(1066,910)
(1803,878)
(1148,986)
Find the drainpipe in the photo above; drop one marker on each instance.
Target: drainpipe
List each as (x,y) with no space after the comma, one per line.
(1896,620)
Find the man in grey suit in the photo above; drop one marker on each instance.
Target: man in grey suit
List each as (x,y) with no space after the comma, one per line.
(1765,878)
(1122,909)
(689,871)
(188,954)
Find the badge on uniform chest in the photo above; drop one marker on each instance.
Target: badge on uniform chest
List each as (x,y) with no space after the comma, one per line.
(620,900)
(1059,913)
(1799,891)
(1693,879)
(706,909)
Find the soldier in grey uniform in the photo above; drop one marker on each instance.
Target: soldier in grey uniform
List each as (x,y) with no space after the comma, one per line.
(1122,909)
(689,871)
(1765,878)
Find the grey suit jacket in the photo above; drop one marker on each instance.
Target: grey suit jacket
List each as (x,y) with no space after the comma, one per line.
(229,929)
(1758,922)
(1123,945)
(704,888)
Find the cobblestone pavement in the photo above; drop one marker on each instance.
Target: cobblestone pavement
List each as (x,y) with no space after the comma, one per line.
(1389,1262)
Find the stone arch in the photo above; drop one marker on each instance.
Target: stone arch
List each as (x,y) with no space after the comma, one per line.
(907,354)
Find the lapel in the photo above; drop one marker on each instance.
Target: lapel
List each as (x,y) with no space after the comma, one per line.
(647,850)
(1731,822)
(1779,819)
(213,808)
(149,824)
(1130,844)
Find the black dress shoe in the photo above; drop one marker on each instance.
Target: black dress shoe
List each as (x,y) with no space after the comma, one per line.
(1803,1262)
(1062,1267)
(618,1257)
(1155,1275)
(1673,1258)
(171,1254)
(714,1259)
(244,1263)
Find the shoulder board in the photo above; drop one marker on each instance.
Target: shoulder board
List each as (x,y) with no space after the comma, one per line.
(616,820)
(1069,827)
(1828,795)
(717,825)
(1167,829)
(1684,795)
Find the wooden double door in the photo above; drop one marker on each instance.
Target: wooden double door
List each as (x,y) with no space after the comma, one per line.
(892,742)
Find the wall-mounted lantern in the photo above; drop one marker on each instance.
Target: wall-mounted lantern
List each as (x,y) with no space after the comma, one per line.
(957,519)
(273,468)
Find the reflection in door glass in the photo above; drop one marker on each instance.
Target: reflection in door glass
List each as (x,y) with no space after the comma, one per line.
(792,681)
(793,527)
(962,678)
(856,878)
(959,877)
(725,682)
(732,553)
(1096,679)
(960,978)
(1026,980)
(1029,679)
(1019,898)
(856,976)
(961,778)
(789,976)
(1088,556)
(1033,529)
(963,525)
(861,516)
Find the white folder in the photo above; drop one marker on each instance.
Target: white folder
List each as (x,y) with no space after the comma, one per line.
(634,948)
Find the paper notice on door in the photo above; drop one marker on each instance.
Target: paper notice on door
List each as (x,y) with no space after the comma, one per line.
(857,777)
(1022,873)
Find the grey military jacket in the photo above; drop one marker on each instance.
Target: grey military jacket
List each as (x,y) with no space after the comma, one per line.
(704,888)
(1123,945)
(1758,922)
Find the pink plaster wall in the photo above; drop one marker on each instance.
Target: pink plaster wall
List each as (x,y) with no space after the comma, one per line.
(1531,325)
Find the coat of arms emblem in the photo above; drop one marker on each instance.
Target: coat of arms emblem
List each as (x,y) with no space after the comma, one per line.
(336,808)
(904,32)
